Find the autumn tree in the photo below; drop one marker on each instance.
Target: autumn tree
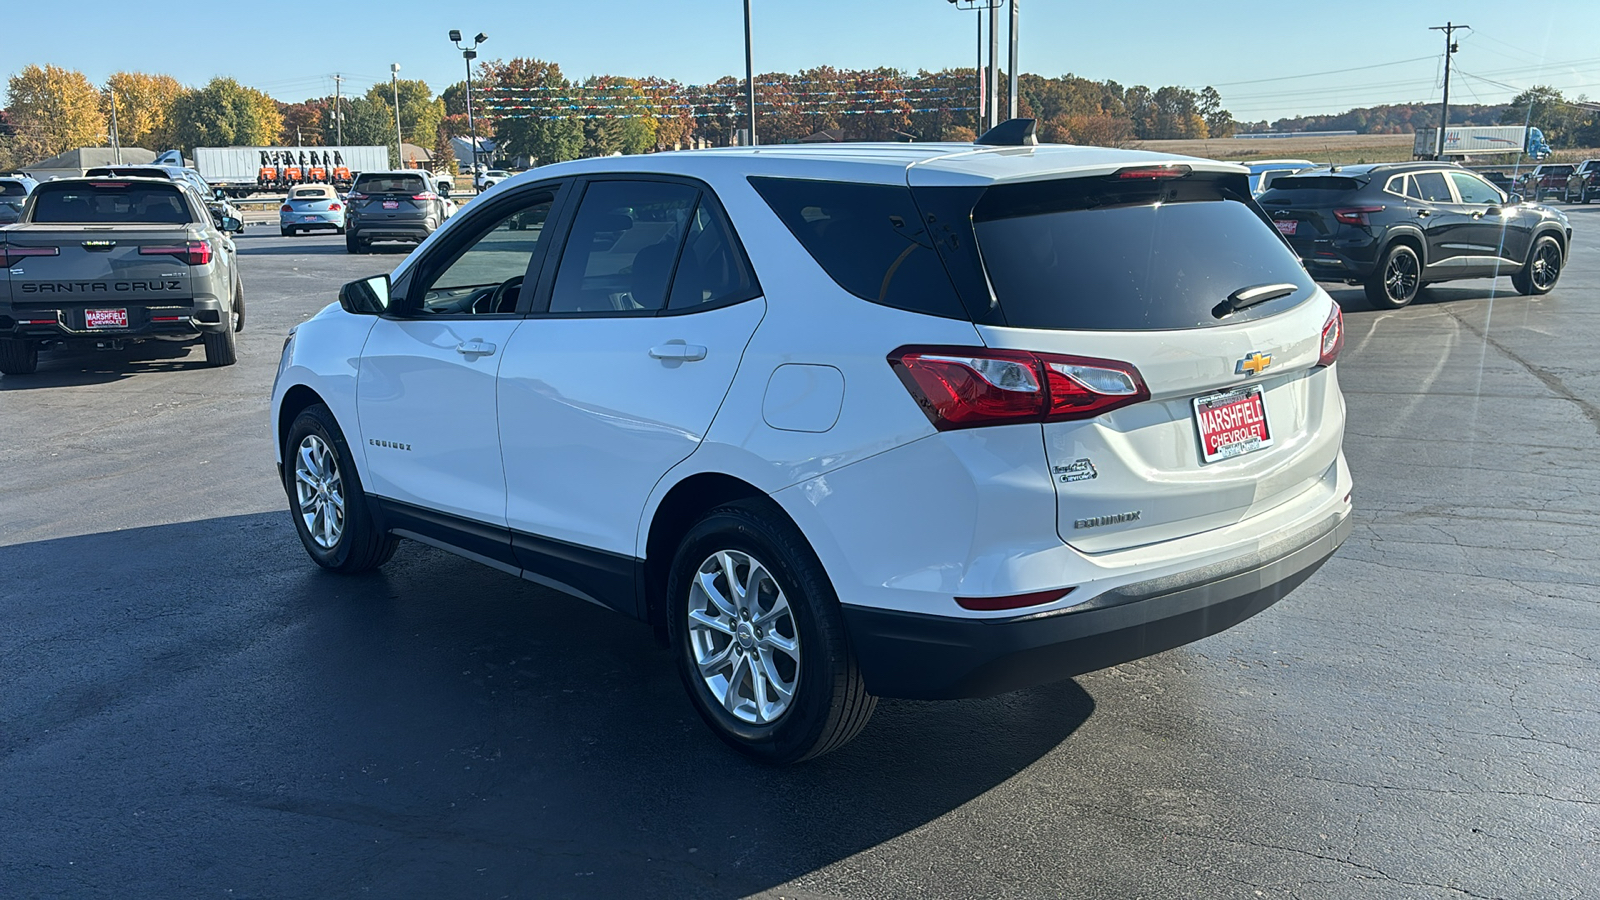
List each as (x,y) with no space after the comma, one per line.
(144,109)
(225,113)
(52,110)
(303,122)
(1546,109)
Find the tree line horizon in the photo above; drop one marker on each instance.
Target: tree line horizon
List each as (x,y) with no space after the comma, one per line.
(536,113)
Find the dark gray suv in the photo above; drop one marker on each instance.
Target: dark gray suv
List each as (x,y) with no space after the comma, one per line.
(391,206)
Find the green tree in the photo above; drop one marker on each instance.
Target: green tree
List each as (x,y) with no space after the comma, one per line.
(1546,109)
(225,113)
(1219,122)
(52,110)
(420,111)
(367,123)
(144,108)
(532,105)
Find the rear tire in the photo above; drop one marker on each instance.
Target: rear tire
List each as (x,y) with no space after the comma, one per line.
(352,243)
(1396,280)
(18,357)
(222,348)
(286,232)
(1542,269)
(752,615)
(325,492)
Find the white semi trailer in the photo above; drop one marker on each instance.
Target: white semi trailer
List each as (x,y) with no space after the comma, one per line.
(1465,142)
(242,171)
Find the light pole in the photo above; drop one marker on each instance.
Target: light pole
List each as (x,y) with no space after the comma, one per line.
(394,82)
(989,96)
(468,54)
(749,76)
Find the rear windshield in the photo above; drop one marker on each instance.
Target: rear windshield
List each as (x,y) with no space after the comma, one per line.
(390,184)
(13,189)
(1105,254)
(868,238)
(110,202)
(311,194)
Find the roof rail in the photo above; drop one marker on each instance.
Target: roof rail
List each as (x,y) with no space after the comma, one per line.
(1010,133)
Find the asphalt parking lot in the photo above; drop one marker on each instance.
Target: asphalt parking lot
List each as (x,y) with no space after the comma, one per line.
(189,708)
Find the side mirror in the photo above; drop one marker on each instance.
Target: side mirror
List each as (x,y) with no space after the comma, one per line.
(220,194)
(367,297)
(1513,198)
(232,225)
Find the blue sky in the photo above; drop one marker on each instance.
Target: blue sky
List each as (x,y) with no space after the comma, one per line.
(1248,50)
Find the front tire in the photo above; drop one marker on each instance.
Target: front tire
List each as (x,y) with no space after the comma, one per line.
(1542,270)
(325,497)
(1396,280)
(18,357)
(759,640)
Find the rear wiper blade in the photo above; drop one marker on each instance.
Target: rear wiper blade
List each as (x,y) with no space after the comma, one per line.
(1250,296)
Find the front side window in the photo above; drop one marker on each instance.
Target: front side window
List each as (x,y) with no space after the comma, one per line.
(486,278)
(1475,190)
(624,242)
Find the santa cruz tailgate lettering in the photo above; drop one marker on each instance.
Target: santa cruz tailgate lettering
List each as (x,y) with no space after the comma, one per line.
(101,287)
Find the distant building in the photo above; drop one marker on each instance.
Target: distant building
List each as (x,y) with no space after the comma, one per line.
(462,148)
(414,157)
(74,163)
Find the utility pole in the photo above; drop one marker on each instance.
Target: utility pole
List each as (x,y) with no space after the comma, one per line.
(994,65)
(394,82)
(116,141)
(1012,66)
(749,75)
(1450,47)
(338,110)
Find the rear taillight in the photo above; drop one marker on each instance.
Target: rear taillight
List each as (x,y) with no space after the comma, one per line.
(1355,215)
(967,387)
(425,195)
(10,256)
(1332,337)
(286,208)
(195,253)
(334,207)
(1177,170)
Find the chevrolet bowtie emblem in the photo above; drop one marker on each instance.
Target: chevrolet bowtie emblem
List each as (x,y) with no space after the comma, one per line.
(1254,364)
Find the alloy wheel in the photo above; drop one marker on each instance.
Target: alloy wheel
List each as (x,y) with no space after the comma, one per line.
(319,488)
(1546,266)
(1400,276)
(743,637)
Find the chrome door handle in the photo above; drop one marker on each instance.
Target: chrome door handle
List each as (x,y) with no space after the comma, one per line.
(678,351)
(1423,213)
(475,347)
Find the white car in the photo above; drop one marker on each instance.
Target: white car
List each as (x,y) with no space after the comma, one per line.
(909,420)
(491,178)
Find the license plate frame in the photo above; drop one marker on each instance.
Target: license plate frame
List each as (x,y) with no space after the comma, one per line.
(1229,436)
(1287,227)
(109,317)
(391,204)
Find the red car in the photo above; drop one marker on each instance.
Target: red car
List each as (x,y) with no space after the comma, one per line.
(1545,180)
(1583,183)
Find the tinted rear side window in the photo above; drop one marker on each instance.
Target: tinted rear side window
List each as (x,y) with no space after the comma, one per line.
(868,238)
(111,202)
(13,189)
(1099,255)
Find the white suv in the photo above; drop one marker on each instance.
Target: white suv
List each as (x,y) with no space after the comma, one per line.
(924,421)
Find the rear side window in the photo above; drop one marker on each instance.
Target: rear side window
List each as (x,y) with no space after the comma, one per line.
(390,184)
(1103,254)
(110,202)
(868,238)
(13,189)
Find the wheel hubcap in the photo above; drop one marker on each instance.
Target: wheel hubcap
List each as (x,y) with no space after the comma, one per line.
(1546,267)
(1400,278)
(743,637)
(319,488)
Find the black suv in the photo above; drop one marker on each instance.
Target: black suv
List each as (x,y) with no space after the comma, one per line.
(1396,227)
(391,206)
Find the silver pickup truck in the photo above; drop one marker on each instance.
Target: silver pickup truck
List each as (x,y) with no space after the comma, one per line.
(104,262)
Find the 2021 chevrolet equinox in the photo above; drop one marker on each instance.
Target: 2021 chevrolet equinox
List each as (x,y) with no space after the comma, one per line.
(926,421)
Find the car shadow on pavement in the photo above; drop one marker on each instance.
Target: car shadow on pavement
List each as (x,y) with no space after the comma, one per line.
(1354,300)
(80,366)
(207,708)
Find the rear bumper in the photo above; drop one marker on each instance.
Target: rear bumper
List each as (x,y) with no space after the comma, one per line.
(1338,258)
(380,231)
(927,657)
(172,319)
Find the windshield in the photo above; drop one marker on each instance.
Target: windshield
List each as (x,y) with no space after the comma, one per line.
(109,202)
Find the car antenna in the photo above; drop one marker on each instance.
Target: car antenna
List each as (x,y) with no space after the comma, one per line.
(1331,166)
